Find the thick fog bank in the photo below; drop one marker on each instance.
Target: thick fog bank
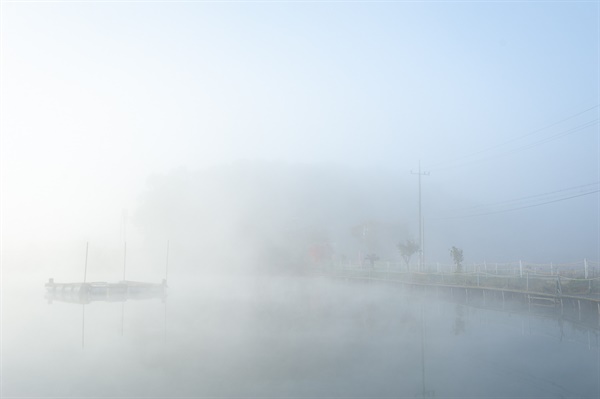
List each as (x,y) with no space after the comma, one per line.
(275,216)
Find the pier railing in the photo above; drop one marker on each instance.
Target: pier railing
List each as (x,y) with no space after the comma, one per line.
(577,278)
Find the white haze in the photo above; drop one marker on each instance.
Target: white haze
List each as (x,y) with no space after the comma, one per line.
(243,135)
(98,98)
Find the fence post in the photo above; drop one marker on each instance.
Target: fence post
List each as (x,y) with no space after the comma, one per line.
(585,268)
(521,269)
(551,269)
(527,284)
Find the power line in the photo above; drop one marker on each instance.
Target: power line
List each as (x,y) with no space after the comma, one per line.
(513,139)
(551,193)
(520,207)
(559,135)
(524,147)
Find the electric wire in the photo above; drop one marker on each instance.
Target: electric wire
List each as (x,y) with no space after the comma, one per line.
(437,166)
(531,197)
(524,147)
(519,207)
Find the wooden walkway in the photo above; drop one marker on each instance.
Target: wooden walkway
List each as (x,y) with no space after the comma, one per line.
(584,307)
(367,275)
(102,291)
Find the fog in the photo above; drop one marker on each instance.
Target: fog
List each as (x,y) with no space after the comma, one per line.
(250,154)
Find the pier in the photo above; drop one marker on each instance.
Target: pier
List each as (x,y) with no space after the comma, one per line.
(121,291)
(575,299)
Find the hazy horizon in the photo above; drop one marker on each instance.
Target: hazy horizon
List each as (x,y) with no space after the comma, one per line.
(265,143)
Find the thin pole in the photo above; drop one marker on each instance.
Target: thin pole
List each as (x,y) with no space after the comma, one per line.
(167,265)
(421,253)
(420,222)
(124,258)
(423,245)
(86,257)
(124,241)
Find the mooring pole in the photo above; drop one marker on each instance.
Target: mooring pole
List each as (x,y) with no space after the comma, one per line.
(521,269)
(167,264)
(124,258)
(85,267)
(124,241)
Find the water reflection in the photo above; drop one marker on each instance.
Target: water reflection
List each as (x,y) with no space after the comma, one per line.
(425,393)
(459,321)
(86,293)
(309,337)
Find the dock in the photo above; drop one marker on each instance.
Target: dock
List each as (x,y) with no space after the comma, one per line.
(121,291)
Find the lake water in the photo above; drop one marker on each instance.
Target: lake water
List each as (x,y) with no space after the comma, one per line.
(309,337)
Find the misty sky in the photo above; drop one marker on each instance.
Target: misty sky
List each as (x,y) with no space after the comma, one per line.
(99,96)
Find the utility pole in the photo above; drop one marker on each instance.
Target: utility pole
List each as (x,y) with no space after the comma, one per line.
(421,253)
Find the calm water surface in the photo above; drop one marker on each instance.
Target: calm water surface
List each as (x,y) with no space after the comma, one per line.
(288,337)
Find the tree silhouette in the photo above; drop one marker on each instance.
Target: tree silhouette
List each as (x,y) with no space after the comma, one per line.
(407,249)
(372,258)
(457,257)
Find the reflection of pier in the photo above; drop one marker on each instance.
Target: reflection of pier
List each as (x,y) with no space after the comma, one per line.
(84,293)
(546,295)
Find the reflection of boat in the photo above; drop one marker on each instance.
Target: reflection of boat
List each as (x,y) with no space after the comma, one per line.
(122,291)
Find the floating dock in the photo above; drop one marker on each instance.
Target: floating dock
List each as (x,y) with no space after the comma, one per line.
(121,291)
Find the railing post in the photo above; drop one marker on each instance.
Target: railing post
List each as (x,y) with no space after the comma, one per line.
(521,268)
(585,268)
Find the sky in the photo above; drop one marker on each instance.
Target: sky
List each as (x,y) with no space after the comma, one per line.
(497,100)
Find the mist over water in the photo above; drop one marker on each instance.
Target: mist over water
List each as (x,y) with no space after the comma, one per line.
(265,160)
(310,336)
(252,309)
